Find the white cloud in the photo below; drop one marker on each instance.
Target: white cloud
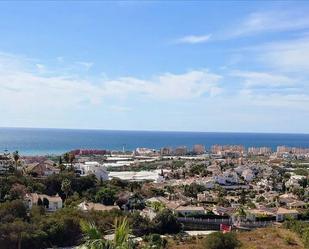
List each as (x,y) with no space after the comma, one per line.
(25,90)
(193,39)
(288,102)
(264,79)
(168,86)
(271,21)
(288,56)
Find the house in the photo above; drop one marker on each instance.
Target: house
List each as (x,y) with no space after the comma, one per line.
(207,182)
(287,198)
(292,182)
(247,175)
(87,206)
(227,177)
(231,176)
(144,152)
(189,210)
(218,210)
(283,213)
(297,204)
(260,213)
(214,169)
(40,169)
(205,197)
(172,205)
(220,179)
(51,203)
(94,168)
(5,162)
(239,169)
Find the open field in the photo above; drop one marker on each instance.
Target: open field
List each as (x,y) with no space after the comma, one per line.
(263,238)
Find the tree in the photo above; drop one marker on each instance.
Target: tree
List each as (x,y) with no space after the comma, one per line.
(71,160)
(15,232)
(140,225)
(94,238)
(134,186)
(136,201)
(107,196)
(66,157)
(17,191)
(193,189)
(157,206)
(220,240)
(165,222)
(66,187)
(241,213)
(243,198)
(60,164)
(16,158)
(13,209)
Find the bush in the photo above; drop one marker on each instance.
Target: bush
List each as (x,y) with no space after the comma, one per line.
(107,196)
(155,241)
(220,240)
(166,223)
(299,227)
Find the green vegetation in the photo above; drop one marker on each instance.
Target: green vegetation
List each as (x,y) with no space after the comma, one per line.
(193,189)
(105,195)
(35,229)
(155,241)
(301,228)
(301,171)
(221,241)
(94,238)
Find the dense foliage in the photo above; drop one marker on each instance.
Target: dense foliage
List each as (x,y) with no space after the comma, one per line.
(35,229)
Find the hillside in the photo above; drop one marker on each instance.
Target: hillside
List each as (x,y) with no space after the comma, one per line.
(263,238)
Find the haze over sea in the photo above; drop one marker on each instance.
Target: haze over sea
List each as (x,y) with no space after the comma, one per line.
(39,141)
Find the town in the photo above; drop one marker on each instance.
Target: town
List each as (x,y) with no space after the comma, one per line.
(192,191)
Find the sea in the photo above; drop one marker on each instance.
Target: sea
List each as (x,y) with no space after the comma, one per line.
(41,141)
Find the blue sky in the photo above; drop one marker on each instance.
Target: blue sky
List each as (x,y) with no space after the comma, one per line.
(184,66)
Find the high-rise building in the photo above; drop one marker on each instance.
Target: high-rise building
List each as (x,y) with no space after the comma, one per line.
(166,151)
(199,149)
(180,151)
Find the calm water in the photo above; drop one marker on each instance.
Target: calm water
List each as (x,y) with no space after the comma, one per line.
(55,141)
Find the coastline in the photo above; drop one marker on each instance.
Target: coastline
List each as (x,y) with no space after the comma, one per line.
(45,141)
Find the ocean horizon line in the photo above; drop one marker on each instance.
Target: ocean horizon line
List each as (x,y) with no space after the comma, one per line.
(150,131)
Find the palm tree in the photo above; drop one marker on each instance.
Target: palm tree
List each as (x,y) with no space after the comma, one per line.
(122,233)
(94,238)
(71,160)
(66,187)
(16,158)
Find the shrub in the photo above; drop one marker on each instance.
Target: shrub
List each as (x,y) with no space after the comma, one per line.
(220,240)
